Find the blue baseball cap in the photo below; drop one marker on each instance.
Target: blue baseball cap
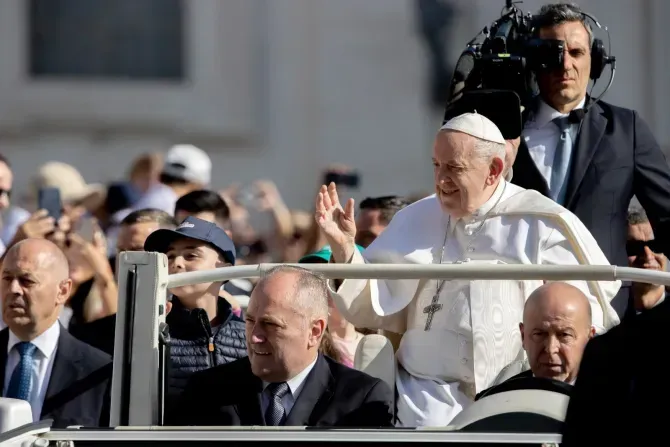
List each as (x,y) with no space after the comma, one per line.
(193,228)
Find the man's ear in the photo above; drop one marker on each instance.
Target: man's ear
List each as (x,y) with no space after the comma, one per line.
(318,327)
(523,335)
(592,332)
(495,170)
(64,290)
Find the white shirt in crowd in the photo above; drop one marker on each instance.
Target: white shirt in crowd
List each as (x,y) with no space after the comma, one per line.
(160,197)
(12,218)
(541,136)
(43,360)
(295,385)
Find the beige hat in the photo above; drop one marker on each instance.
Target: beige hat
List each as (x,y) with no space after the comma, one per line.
(476,125)
(73,188)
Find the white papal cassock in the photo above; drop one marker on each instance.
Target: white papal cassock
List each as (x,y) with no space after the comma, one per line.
(476,333)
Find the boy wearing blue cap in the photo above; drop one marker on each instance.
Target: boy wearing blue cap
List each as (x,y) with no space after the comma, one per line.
(204,332)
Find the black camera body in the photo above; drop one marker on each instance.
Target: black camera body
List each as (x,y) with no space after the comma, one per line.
(497,69)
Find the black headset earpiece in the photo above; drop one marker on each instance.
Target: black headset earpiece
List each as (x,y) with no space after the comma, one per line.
(598,59)
(599,56)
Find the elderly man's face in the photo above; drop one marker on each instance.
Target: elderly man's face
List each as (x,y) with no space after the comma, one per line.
(281,339)
(567,85)
(463,180)
(554,335)
(31,289)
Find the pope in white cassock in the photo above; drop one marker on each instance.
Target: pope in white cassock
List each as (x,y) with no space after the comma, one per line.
(458,335)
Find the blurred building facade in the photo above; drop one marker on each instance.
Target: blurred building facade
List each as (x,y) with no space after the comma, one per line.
(271,88)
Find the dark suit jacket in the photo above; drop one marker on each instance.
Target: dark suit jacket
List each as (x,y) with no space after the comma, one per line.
(98,333)
(615,157)
(79,388)
(521,375)
(525,380)
(622,387)
(332,395)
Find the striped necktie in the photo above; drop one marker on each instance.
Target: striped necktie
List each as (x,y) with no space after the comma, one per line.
(20,384)
(561,163)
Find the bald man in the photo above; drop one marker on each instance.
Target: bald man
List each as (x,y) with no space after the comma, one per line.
(61,377)
(555,330)
(285,381)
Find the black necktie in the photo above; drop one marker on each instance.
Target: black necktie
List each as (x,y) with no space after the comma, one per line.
(276,413)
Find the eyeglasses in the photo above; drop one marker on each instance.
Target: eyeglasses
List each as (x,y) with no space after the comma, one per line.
(636,248)
(7,192)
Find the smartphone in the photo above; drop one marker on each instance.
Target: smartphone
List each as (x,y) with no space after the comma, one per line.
(87,228)
(350,180)
(49,199)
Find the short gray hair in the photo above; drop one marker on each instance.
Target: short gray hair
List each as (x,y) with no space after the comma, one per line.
(310,293)
(487,150)
(558,13)
(637,216)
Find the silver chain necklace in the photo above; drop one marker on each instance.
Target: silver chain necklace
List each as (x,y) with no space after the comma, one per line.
(435,306)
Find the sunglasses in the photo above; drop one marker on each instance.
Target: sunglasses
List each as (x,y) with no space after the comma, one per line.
(636,248)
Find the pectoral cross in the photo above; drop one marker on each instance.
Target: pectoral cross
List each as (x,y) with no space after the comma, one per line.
(431,309)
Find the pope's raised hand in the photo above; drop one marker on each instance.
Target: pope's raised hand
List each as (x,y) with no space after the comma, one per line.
(337,224)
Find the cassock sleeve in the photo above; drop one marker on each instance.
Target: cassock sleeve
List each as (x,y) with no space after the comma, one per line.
(354,299)
(558,251)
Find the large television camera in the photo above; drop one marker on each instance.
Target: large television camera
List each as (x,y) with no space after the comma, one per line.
(495,74)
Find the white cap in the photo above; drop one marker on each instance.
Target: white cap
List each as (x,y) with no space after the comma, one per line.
(476,125)
(187,162)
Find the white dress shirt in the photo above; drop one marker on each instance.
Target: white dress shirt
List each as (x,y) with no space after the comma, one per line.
(295,386)
(541,136)
(43,361)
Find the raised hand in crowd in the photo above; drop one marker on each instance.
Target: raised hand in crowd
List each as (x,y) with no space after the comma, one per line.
(94,253)
(646,296)
(239,214)
(40,225)
(338,224)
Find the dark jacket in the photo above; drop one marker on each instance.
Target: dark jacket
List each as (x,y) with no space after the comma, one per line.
(195,345)
(333,395)
(79,386)
(526,381)
(622,386)
(614,158)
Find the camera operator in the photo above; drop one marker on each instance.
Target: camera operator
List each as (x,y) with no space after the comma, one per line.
(591,157)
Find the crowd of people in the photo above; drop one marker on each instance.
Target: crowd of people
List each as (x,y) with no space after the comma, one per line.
(280,350)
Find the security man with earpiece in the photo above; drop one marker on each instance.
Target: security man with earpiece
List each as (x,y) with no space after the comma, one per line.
(589,156)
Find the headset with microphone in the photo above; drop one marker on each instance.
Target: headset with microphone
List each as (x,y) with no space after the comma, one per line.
(600,59)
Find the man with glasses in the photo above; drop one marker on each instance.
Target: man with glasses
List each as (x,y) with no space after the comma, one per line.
(647,253)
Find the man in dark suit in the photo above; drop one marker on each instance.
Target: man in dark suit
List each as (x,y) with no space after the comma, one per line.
(285,381)
(622,385)
(591,157)
(557,325)
(61,377)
